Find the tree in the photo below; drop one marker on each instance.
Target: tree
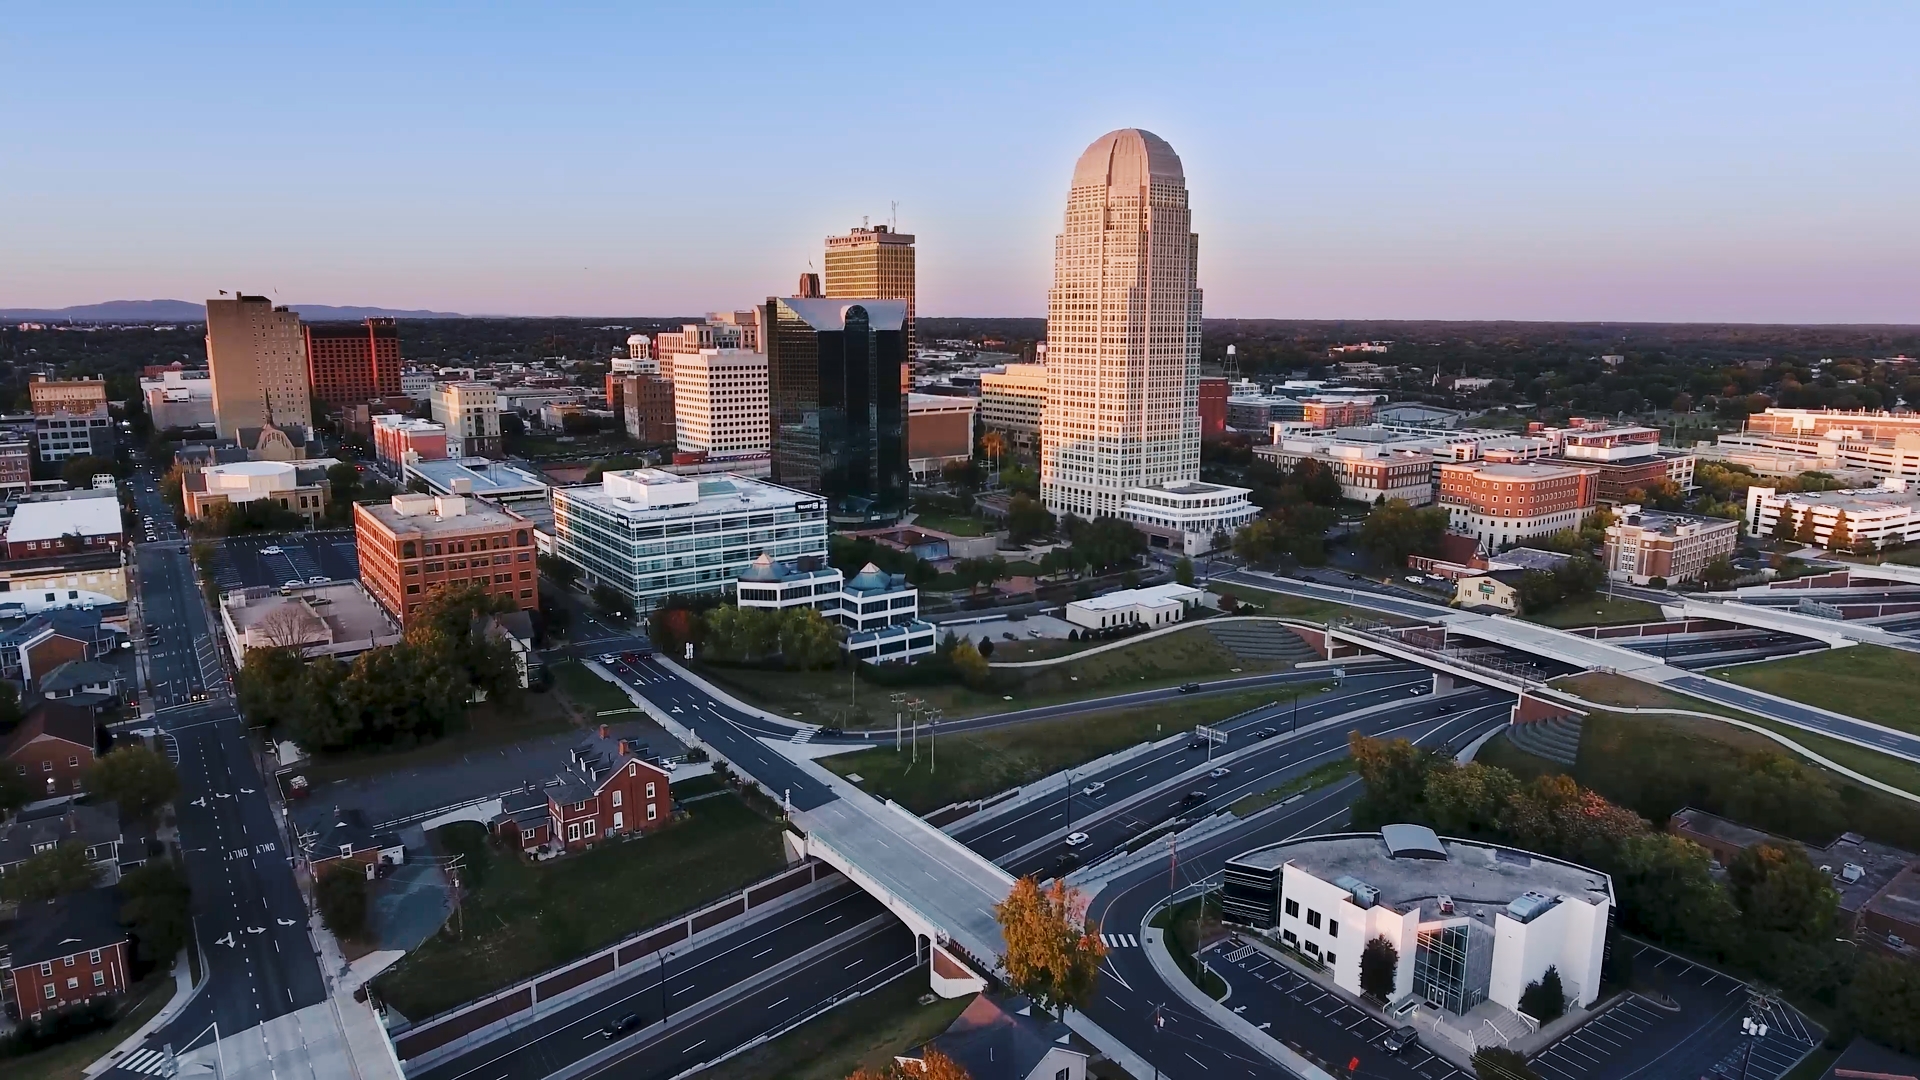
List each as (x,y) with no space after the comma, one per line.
(1783,524)
(291,626)
(1884,999)
(1183,571)
(10,714)
(933,1065)
(1778,889)
(557,569)
(155,905)
(1379,960)
(1805,533)
(1053,950)
(1027,519)
(1719,574)
(971,665)
(15,791)
(1469,799)
(62,870)
(1395,775)
(1841,537)
(808,642)
(79,472)
(1546,1000)
(341,894)
(1395,530)
(1500,1063)
(137,778)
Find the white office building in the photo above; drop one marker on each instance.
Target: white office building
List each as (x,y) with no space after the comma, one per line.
(1188,516)
(1158,605)
(880,611)
(1471,922)
(1123,331)
(650,534)
(1888,514)
(720,402)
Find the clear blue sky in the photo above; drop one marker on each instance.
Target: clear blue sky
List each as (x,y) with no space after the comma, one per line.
(1751,162)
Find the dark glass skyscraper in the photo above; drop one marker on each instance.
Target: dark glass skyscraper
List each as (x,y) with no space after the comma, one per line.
(835,371)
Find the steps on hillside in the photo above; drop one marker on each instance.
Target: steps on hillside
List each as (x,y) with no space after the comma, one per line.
(1269,643)
(1557,739)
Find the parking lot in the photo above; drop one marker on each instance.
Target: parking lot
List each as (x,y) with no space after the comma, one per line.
(1315,1022)
(253,561)
(1633,1040)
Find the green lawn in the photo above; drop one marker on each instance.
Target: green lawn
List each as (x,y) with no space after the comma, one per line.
(489,724)
(833,697)
(69,1060)
(973,766)
(1318,776)
(1620,690)
(522,918)
(956,524)
(591,693)
(1596,611)
(863,1033)
(1867,681)
(1257,601)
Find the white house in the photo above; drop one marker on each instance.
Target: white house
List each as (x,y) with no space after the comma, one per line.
(1471,922)
(1155,606)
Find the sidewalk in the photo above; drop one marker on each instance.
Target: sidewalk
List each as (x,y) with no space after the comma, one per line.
(183,994)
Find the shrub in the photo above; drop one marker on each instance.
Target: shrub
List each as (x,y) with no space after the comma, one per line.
(342,896)
(1546,1000)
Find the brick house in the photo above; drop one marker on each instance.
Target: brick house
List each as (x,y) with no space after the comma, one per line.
(347,839)
(52,638)
(607,788)
(63,952)
(53,748)
(95,827)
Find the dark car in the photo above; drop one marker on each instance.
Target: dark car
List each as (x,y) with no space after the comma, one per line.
(831,733)
(1448,707)
(1266,733)
(1193,797)
(1399,1039)
(1353,577)
(1188,688)
(1196,744)
(617,1028)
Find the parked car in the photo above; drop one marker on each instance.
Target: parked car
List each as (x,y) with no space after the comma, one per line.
(1188,688)
(295,583)
(1011,637)
(617,1028)
(1094,788)
(1399,1039)
(1076,839)
(1414,579)
(1218,773)
(318,579)
(271,549)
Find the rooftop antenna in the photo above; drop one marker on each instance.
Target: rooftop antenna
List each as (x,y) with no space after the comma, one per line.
(894,219)
(863,221)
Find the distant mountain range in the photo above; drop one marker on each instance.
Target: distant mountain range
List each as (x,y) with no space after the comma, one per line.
(179,311)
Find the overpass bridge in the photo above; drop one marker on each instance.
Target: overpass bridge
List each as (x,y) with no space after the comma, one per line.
(1835,632)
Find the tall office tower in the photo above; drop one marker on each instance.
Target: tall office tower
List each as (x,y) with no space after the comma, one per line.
(353,363)
(837,401)
(720,402)
(257,357)
(1123,331)
(872,262)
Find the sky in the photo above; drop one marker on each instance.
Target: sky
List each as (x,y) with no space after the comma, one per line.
(1749,162)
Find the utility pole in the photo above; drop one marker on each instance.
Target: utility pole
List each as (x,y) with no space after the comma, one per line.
(898,700)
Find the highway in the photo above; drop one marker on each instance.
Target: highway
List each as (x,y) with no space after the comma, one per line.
(1026,841)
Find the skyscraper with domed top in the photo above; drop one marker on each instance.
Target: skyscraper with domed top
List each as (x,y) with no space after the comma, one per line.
(1123,331)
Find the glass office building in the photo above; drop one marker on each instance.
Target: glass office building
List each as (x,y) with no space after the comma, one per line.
(650,534)
(836,373)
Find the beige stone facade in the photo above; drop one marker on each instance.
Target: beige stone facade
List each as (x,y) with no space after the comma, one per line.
(257,356)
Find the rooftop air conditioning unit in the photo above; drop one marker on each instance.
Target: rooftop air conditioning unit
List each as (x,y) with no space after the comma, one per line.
(1446,904)
(1853,872)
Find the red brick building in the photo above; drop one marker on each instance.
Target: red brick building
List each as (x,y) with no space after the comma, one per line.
(1333,414)
(1500,504)
(65,951)
(1213,409)
(395,436)
(53,748)
(646,408)
(417,545)
(352,363)
(605,790)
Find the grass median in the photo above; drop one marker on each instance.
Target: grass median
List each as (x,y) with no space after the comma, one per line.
(836,697)
(960,767)
(863,1033)
(1318,776)
(1257,601)
(1867,681)
(1596,611)
(521,917)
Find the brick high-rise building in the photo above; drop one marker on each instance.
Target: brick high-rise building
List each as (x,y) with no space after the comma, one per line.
(353,363)
(1500,504)
(1213,409)
(257,356)
(646,408)
(1647,544)
(417,545)
(872,262)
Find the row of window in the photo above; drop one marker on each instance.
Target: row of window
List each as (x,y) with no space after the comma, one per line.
(93,957)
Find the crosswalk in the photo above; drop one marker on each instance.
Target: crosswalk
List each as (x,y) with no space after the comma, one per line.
(145,1062)
(1120,941)
(805,733)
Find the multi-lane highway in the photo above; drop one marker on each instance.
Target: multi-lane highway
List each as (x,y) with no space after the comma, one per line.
(249,917)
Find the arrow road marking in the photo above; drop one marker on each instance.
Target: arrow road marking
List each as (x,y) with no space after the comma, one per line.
(226,940)
(256,929)
(286,922)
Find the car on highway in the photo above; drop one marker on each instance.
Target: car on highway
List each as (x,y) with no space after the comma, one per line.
(831,733)
(1448,707)
(617,1028)
(1094,788)
(1076,839)
(1399,1039)
(1266,733)
(1011,637)
(1196,744)
(1193,797)
(272,549)
(1188,688)
(1218,773)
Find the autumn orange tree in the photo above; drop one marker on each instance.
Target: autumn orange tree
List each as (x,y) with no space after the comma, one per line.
(1053,949)
(933,1065)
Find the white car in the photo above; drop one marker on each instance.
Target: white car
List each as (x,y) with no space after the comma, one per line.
(295,583)
(318,580)
(1414,579)
(1094,788)
(1076,839)
(1218,773)
(272,549)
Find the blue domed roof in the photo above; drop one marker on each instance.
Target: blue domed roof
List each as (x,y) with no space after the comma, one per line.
(762,569)
(870,577)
